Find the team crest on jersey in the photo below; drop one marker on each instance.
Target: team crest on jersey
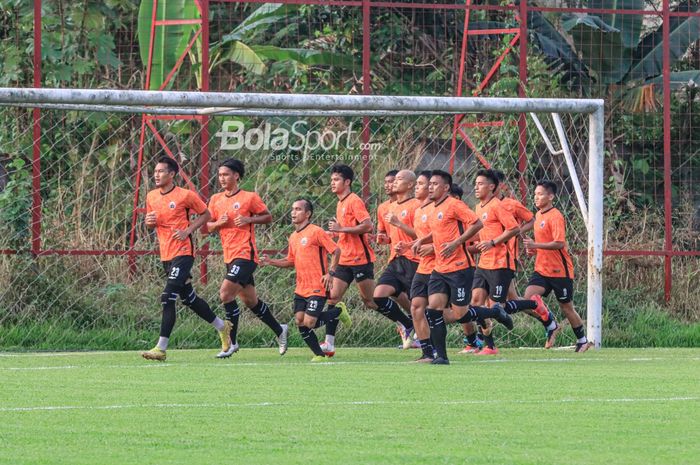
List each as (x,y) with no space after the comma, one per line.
(542,224)
(236,206)
(304,241)
(404,213)
(439,215)
(171,205)
(484,216)
(424,218)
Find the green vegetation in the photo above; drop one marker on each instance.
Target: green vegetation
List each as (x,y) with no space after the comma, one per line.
(369,406)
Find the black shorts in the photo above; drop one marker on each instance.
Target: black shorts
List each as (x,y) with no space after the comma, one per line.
(357,272)
(419,286)
(312,305)
(179,270)
(496,282)
(563,287)
(455,285)
(399,275)
(241,271)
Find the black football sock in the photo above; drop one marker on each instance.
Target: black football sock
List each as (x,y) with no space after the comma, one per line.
(438,332)
(427,348)
(311,340)
(514,306)
(233,314)
(391,310)
(332,325)
(263,312)
(328,316)
(580,334)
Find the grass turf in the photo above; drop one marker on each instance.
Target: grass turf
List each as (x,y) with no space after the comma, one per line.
(615,406)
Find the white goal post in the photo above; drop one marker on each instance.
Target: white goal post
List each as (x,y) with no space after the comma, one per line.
(241,104)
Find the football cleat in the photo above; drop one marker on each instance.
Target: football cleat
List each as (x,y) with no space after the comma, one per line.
(225,336)
(469,349)
(406,339)
(487,351)
(344,316)
(227,353)
(552,336)
(440,361)
(154,354)
(319,359)
(328,349)
(282,339)
(583,346)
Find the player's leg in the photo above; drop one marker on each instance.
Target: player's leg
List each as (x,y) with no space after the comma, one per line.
(260,309)
(306,312)
(419,291)
(390,284)
(538,287)
(437,302)
(564,292)
(168,299)
(341,281)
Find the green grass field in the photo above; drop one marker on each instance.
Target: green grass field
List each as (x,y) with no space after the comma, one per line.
(614,406)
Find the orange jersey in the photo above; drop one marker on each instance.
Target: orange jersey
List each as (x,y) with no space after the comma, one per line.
(405,212)
(551,227)
(521,215)
(355,249)
(421,222)
(496,220)
(237,241)
(449,219)
(173,213)
(308,250)
(382,210)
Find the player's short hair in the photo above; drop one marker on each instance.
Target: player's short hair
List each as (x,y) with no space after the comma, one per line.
(425,173)
(447,177)
(344,170)
(490,175)
(456,190)
(235,166)
(500,175)
(391,173)
(173,167)
(550,186)
(308,206)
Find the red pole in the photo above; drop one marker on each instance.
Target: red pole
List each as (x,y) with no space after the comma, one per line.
(460,77)
(366,89)
(204,135)
(36,135)
(668,245)
(522,129)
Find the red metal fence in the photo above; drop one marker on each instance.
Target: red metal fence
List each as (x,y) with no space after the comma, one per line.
(461,77)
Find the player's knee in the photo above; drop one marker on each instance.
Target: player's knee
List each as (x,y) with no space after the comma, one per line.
(369,302)
(249,301)
(417,311)
(309,321)
(170,294)
(299,319)
(381,302)
(188,294)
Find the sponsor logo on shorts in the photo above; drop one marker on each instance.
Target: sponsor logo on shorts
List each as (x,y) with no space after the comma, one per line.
(359,275)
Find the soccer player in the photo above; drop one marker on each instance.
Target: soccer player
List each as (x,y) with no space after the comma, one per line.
(554,270)
(496,267)
(526,220)
(426,254)
(351,224)
(382,238)
(398,275)
(168,210)
(451,223)
(234,214)
(308,249)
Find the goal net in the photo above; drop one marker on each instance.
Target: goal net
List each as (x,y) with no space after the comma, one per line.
(79,270)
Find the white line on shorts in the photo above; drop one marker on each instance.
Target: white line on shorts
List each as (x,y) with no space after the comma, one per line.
(349,404)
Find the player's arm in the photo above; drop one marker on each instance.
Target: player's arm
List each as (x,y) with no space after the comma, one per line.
(419,245)
(554,245)
(151,220)
(510,226)
(527,226)
(394,221)
(217,223)
(264,217)
(449,248)
(197,223)
(265,260)
(362,228)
